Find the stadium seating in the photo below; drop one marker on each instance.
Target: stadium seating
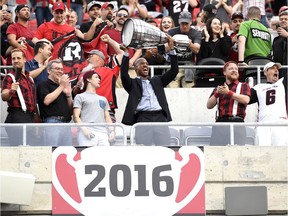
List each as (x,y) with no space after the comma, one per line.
(211,77)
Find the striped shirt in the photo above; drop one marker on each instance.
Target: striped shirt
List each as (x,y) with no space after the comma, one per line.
(225,105)
(28,90)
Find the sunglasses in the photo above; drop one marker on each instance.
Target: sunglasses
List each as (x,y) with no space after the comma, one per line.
(122,15)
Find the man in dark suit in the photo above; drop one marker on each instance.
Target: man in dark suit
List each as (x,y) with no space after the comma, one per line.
(147,101)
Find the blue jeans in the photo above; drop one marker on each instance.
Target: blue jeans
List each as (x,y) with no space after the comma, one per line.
(42,13)
(79,10)
(57,136)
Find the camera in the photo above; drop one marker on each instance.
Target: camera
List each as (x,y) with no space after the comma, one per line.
(277,25)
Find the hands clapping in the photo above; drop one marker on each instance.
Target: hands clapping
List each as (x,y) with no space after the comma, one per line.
(223,89)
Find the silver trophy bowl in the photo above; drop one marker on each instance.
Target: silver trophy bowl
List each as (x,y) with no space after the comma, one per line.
(137,33)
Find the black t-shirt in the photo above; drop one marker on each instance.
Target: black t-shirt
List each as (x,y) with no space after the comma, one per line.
(175,7)
(58,107)
(86,26)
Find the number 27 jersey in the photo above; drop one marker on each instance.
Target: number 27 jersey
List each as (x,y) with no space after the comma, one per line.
(271,101)
(176,7)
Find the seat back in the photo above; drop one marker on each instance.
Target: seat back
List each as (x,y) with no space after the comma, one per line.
(209,77)
(253,72)
(174,137)
(250,135)
(197,135)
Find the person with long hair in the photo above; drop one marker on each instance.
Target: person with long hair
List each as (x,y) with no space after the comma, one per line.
(166,24)
(215,43)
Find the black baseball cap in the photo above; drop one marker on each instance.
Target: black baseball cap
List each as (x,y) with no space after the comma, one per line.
(210,8)
(237,15)
(19,7)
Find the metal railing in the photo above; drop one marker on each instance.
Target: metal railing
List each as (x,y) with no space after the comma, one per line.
(153,67)
(36,133)
(258,67)
(183,126)
(202,138)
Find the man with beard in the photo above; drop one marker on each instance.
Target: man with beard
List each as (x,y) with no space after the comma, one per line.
(231,99)
(107,11)
(18,32)
(18,90)
(57,27)
(94,26)
(115,33)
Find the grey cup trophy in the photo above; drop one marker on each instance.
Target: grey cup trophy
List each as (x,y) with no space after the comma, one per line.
(137,33)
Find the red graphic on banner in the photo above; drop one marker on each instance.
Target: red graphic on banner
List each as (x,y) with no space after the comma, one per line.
(189,176)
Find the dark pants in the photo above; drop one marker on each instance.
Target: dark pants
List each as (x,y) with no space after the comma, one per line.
(152,135)
(15,134)
(43,14)
(221,134)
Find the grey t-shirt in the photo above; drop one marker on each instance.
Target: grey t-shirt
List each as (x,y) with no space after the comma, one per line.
(92,107)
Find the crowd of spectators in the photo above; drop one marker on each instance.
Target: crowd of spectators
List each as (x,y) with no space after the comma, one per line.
(228,30)
(89,18)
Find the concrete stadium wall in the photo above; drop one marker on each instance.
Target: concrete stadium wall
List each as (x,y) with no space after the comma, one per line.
(224,166)
(186,105)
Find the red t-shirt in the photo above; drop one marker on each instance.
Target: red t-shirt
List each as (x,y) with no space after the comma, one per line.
(234,50)
(116,36)
(20,31)
(51,30)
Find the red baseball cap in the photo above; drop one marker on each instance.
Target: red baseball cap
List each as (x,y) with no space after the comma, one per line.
(58,6)
(282,10)
(107,4)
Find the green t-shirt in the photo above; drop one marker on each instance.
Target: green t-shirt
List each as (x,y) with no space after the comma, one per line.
(258,38)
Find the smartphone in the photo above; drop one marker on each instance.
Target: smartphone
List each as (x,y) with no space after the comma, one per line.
(277,25)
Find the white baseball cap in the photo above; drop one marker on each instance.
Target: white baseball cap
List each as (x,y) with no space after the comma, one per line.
(271,64)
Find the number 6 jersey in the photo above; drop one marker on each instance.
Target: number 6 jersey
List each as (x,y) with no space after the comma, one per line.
(271,100)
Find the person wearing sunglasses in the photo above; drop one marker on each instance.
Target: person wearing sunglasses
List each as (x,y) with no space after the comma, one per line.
(121,16)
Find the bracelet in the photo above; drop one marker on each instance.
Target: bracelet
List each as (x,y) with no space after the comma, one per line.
(69,96)
(230,93)
(216,94)
(240,61)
